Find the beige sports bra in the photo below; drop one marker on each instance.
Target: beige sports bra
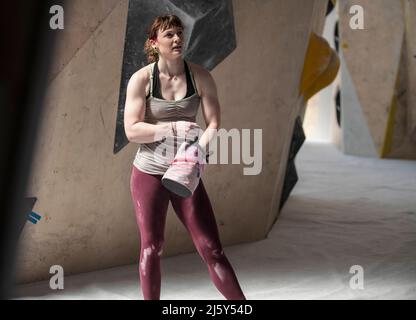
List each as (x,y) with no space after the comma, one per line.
(155,157)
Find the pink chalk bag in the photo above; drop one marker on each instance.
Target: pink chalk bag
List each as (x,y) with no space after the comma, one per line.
(184,173)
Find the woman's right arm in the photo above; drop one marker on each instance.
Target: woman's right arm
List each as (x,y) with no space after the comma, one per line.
(134,126)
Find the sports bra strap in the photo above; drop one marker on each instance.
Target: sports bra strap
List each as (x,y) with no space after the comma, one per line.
(192,79)
(152,66)
(151,78)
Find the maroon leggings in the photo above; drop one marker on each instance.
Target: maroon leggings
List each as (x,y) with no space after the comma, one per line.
(151,201)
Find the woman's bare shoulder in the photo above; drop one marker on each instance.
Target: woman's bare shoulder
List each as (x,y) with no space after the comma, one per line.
(204,80)
(198,70)
(202,76)
(143,74)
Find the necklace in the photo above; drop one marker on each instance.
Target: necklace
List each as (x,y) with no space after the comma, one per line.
(174,77)
(171,78)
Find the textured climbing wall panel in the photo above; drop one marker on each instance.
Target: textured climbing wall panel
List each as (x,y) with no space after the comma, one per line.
(291,176)
(410,38)
(377,93)
(82,18)
(82,186)
(353,121)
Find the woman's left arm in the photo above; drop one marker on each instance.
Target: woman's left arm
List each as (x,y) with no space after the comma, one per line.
(210,107)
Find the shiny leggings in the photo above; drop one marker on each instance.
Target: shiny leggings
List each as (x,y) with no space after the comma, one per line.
(151,201)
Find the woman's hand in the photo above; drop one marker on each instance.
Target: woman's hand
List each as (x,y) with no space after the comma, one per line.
(192,153)
(186,130)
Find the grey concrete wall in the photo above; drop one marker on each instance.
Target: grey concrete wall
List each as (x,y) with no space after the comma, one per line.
(378,99)
(410,38)
(81,20)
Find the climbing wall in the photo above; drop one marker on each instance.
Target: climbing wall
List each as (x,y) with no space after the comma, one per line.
(378,85)
(81,170)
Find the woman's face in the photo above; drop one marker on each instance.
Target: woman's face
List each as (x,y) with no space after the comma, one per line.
(169,43)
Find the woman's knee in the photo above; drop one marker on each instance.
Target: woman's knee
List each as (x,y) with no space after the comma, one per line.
(152,248)
(211,251)
(150,253)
